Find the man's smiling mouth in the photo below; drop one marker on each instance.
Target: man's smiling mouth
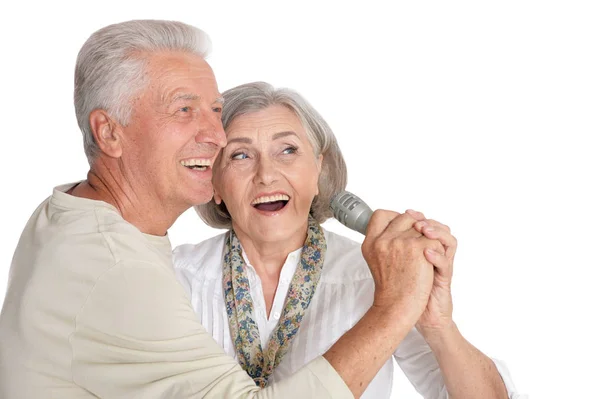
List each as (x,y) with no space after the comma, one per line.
(196,164)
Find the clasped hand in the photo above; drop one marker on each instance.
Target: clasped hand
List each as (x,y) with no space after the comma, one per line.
(411,259)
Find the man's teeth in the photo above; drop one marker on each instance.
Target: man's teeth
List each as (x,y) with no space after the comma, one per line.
(197,164)
(271,198)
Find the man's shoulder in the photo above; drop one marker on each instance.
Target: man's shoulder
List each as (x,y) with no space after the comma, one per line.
(99,232)
(73,232)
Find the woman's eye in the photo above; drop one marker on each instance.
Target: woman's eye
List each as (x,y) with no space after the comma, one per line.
(290,150)
(239,155)
(217,109)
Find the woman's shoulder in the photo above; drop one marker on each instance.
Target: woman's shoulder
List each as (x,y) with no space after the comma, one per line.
(204,256)
(344,262)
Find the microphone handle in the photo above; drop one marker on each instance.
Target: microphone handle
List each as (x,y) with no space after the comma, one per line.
(351,211)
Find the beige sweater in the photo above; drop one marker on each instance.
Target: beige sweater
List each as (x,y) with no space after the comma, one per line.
(93,309)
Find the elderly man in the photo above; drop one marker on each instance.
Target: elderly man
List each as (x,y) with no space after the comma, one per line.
(93,308)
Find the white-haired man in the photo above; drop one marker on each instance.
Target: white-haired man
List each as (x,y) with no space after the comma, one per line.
(93,308)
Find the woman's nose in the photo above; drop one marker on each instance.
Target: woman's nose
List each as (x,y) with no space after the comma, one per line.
(266,172)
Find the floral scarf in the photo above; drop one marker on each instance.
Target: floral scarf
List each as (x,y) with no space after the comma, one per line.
(240,310)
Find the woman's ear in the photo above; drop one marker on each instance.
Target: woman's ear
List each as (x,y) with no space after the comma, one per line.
(107,133)
(217,197)
(319,165)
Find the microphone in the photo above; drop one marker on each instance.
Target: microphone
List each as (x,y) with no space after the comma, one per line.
(351,211)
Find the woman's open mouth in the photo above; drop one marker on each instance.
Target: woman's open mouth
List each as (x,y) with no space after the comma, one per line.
(271,203)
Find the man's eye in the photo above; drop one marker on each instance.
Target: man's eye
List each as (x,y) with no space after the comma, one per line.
(185,109)
(218,109)
(239,155)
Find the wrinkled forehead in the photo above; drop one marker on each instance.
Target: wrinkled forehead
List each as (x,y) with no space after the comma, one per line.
(175,74)
(266,122)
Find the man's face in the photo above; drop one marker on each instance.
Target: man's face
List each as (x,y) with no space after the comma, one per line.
(175,133)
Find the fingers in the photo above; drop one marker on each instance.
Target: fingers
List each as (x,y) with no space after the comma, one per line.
(443,265)
(442,259)
(415,214)
(402,224)
(431,223)
(390,223)
(378,222)
(437,231)
(384,228)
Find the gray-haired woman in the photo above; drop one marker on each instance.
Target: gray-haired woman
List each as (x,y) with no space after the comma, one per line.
(277,290)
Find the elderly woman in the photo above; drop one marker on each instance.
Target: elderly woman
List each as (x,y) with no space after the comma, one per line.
(276,290)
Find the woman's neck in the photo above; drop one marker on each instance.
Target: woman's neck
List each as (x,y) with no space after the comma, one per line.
(268,258)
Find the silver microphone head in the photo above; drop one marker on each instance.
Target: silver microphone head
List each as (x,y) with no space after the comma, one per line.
(351,211)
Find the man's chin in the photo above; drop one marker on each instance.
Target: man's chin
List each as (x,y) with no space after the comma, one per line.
(201,200)
(200,194)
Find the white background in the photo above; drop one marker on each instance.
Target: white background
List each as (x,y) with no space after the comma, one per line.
(483,115)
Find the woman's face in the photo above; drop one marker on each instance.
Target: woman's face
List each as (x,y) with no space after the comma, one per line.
(267,175)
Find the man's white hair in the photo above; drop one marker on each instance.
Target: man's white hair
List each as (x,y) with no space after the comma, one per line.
(110,67)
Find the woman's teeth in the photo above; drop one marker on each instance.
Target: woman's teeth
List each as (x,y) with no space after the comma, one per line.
(271,206)
(270,198)
(271,203)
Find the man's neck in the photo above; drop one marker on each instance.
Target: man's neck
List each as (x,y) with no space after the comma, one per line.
(148,215)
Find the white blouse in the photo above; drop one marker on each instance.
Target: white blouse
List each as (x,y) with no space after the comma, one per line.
(343,295)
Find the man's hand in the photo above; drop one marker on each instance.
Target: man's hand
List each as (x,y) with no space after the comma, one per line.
(437,316)
(396,255)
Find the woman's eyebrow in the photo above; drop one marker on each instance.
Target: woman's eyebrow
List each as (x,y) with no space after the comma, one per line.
(245,140)
(283,134)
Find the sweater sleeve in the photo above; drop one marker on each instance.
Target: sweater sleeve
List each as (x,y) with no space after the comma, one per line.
(137,336)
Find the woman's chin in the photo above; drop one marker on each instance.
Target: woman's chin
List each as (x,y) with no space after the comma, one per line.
(284,224)
(276,231)
(273,232)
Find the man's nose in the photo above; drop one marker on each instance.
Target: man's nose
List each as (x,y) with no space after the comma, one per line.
(210,130)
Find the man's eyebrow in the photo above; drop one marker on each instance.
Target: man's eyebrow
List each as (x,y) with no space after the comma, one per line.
(284,134)
(183,96)
(192,97)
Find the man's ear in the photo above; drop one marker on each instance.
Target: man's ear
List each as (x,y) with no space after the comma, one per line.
(107,133)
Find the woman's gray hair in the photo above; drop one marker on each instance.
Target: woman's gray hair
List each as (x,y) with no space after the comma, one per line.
(253,97)
(110,67)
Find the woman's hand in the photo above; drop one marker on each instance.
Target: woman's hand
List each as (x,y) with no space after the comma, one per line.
(437,317)
(396,255)
(467,372)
